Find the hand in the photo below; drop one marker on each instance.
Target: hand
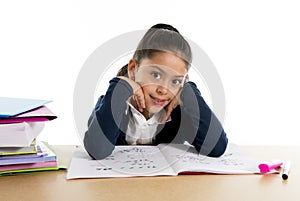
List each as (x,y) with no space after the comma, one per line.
(175,102)
(138,97)
(172,105)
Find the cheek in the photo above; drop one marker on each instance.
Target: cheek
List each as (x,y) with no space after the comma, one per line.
(173,93)
(148,90)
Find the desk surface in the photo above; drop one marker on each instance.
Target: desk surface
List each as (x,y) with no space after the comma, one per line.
(54,186)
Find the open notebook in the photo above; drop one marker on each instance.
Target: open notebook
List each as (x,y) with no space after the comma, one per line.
(171,159)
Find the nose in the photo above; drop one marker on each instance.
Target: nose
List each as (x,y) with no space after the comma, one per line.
(161,90)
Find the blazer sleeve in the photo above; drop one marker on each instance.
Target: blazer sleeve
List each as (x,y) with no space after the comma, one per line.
(105,122)
(202,127)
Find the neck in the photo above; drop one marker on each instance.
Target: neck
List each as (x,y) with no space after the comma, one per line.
(147,114)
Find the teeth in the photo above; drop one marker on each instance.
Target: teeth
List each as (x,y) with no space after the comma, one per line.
(158,100)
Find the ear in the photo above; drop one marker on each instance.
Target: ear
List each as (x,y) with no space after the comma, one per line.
(132,65)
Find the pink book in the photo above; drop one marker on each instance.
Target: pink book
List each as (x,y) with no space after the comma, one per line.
(28,166)
(39,114)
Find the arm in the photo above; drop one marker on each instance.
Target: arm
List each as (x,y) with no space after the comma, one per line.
(205,131)
(104,125)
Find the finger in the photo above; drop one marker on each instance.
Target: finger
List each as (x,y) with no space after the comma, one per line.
(175,105)
(175,102)
(143,104)
(141,100)
(178,100)
(140,97)
(138,104)
(169,109)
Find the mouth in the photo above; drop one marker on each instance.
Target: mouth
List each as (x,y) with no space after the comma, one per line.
(157,101)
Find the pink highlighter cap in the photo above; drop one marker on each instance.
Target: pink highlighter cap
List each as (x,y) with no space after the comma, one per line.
(267,167)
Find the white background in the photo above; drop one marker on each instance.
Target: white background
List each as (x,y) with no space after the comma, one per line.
(254,45)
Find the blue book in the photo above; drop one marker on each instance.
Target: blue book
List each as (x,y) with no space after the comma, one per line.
(14,106)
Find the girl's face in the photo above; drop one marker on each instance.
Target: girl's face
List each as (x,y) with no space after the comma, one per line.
(161,77)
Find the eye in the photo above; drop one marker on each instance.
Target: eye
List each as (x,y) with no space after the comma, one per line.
(156,75)
(176,82)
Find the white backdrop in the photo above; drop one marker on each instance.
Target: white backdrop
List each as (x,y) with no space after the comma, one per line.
(254,45)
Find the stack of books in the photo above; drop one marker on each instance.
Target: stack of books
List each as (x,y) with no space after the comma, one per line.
(38,157)
(21,121)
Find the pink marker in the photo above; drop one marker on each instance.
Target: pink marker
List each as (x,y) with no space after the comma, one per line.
(267,167)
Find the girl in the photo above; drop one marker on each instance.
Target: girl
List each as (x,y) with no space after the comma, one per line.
(151,101)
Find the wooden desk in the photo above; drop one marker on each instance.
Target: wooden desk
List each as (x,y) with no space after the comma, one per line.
(44,186)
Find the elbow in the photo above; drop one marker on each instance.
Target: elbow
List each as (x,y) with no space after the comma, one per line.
(95,142)
(220,147)
(97,148)
(217,152)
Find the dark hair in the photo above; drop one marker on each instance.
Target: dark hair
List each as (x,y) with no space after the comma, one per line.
(161,38)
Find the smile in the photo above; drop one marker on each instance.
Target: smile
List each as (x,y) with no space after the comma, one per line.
(157,101)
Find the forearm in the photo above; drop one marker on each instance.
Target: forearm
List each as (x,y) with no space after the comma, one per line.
(205,131)
(104,124)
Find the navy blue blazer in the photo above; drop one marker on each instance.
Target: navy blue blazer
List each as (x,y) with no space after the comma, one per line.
(192,121)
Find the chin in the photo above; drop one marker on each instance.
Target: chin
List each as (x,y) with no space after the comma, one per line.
(155,109)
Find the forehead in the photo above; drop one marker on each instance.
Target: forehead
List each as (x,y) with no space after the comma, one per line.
(168,61)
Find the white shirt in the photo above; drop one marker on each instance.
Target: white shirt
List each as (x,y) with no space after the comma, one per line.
(140,130)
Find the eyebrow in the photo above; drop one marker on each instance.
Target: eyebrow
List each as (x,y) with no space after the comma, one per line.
(161,70)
